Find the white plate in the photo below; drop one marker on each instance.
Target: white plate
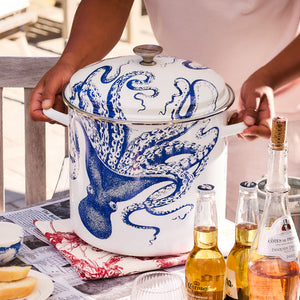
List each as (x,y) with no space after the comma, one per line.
(43,288)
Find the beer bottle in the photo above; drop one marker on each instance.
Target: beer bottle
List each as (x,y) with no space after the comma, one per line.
(246,220)
(205,266)
(273,266)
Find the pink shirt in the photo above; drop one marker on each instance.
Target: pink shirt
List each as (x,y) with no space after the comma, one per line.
(233,37)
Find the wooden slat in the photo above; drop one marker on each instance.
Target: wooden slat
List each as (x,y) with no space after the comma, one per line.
(24,71)
(2,200)
(66,142)
(35,156)
(17,20)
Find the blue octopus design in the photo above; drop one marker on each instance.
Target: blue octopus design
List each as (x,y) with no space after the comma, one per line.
(120,166)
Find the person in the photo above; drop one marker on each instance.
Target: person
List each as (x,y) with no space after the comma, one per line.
(254,45)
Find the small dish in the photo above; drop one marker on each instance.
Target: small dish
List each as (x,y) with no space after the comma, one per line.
(43,289)
(11,239)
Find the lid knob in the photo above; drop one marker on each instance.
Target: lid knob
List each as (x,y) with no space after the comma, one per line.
(147,52)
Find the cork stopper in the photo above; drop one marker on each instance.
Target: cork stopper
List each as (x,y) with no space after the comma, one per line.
(279,125)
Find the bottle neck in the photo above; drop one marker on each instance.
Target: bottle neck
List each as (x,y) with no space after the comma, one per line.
(247,208)
(206,211)
(247,214)
(277,177)
(277,187)
(205,223)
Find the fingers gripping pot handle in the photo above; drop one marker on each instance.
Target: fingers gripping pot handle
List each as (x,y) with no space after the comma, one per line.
(57,116)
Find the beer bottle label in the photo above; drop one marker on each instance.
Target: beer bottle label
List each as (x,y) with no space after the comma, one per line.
(230,285)
(279,240)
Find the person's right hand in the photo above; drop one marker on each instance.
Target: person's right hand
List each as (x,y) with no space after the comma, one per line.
(48,92)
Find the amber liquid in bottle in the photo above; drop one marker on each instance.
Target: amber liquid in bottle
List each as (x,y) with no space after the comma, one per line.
(205,266)
(273,267)
(237,261)
(275,279)
(246,219)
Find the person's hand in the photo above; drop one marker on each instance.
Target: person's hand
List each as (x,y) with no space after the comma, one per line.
(48,92)
(256,107)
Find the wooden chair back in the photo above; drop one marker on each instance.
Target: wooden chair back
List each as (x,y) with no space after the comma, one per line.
(25,72)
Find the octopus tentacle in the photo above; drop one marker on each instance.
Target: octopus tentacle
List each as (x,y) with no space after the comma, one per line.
(182,179)
(184,103)
(113,96)
(136,207)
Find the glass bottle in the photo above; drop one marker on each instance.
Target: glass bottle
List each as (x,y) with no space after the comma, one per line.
(273,266)
(246,220)
(205,266)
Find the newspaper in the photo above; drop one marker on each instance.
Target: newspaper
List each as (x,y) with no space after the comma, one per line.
(38,252)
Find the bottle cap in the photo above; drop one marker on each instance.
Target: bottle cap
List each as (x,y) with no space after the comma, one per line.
(278,135)
(250,186)
(206,188)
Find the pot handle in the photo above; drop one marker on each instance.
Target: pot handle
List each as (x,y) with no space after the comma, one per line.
(233,129)
(57,116)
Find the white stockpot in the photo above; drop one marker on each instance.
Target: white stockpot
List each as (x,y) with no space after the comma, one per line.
(144,133)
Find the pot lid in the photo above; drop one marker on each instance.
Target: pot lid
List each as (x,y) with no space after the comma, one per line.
(148,88)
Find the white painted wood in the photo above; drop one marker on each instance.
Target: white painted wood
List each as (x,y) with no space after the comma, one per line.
(17,20)
(25,72)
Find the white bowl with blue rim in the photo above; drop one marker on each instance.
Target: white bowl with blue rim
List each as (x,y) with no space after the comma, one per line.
(11,239)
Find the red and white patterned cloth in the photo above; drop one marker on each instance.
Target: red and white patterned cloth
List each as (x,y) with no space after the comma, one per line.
(93,263)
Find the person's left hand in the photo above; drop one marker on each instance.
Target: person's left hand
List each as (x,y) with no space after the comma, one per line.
(256,107)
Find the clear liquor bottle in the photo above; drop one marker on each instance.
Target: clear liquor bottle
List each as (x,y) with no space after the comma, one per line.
(205,266)
(273,266)
(246,220)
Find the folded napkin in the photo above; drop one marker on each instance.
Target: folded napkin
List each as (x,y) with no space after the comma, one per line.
(93,263)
